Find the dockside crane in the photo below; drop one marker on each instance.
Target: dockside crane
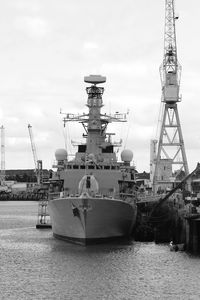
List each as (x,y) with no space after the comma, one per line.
(2,174)
(3,187)
(43,215)
(170,149)
(37,162)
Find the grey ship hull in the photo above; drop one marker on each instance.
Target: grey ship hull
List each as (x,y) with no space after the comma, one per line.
(91,220)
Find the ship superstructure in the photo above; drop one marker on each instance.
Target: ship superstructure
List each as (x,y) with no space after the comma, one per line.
(93,197)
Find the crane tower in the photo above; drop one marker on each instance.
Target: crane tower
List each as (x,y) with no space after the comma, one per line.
(37,162)
(170,150)
(2,174)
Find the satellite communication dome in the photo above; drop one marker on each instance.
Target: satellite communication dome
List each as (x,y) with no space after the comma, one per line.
(61,154)
(127,155)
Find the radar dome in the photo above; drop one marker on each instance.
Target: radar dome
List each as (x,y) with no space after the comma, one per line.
(61,154)
(127,155)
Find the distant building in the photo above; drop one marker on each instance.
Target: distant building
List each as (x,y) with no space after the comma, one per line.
(19,187)
(195,182)
(25,175)
(143,180)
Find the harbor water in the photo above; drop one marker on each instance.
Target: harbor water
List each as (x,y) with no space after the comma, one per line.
(35,265)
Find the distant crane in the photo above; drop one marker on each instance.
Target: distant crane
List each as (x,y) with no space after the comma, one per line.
(37,162)
(2,174)
(171,149)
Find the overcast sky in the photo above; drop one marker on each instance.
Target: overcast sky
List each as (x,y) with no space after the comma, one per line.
(48,46)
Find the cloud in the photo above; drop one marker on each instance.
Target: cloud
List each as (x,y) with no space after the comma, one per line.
(90,46)
(49,46)
(135,68)
(25,5)
(32,26)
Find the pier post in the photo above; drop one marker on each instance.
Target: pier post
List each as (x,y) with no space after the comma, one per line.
(193,235)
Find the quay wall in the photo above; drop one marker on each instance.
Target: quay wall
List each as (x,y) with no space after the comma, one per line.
(175,220)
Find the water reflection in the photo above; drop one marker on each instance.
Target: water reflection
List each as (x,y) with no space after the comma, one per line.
(35,265)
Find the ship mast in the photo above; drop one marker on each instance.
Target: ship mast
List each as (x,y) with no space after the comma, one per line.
(95,128)
(171,149)
(95,123)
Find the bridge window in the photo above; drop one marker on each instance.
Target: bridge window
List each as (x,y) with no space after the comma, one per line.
(108,149)
(81,148)
(91,167)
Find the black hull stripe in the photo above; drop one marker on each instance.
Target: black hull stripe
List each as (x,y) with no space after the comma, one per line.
(92,241)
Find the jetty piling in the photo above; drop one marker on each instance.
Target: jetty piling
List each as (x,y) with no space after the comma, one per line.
(193,233)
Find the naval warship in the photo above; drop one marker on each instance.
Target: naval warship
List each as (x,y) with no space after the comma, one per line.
(92,197)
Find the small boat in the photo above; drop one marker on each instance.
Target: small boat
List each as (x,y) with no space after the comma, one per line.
(176,247)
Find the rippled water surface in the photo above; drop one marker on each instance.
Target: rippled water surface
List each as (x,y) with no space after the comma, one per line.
(34,265)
